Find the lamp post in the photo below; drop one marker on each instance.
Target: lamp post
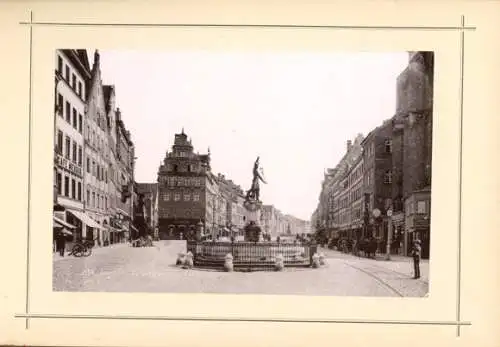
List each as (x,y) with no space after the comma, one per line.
(389,235)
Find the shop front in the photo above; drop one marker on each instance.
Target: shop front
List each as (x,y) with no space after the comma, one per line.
(61,228)
(87,228)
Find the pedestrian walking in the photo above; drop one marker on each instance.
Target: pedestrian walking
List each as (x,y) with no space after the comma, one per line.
(415,252)
(61,243)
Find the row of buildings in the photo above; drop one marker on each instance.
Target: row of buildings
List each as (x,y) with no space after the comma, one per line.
(95,195)
(384,179)
(191,199)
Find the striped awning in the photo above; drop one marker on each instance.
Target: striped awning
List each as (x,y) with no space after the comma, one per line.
(58,222)
(86,219)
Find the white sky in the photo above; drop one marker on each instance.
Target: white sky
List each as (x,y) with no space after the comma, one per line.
(294,110)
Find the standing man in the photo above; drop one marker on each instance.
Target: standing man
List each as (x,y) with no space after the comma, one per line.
(415,252)
(61,243)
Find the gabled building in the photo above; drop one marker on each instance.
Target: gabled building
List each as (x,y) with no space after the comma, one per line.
(72,74)
(97,157)
(186,188)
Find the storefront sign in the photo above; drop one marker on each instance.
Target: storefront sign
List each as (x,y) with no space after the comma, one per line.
(68,165)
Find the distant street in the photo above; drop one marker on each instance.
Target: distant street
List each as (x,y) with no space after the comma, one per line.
(121,268)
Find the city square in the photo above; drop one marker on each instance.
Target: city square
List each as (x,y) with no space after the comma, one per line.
(123,268)
(183,203)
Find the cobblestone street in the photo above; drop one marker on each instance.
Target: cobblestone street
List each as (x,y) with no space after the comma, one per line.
(121,268)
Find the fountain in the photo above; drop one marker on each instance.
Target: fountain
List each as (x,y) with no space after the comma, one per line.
(253,252)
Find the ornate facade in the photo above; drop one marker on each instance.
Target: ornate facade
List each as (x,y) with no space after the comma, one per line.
(184,188)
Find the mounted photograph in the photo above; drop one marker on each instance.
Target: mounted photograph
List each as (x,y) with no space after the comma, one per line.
(281,173)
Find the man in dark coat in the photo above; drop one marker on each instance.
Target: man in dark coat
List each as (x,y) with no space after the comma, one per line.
(416,252)
(61,243)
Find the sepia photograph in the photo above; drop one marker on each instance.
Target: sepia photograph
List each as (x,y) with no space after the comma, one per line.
(281,173)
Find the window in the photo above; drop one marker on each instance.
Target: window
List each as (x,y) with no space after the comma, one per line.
(88,165)
(59,183)
(187,197)
(60,104)
(88,197)
(106,202)
(74,152)
(60,141)
(68,112)
(388,177)
(196,197)
(166,197)
(73,81)
(388,146)
(93,167)
(79,191)
(421,207)
(177,197)
(80,154)
(80,123)
(106,175)
(93,199)
(59,64)
(75,118)
(80,89)
(68,149)
(66,186)
(87,135)
(73,189)
(67,73)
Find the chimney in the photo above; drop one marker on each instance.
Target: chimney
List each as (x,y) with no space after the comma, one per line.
(349,145)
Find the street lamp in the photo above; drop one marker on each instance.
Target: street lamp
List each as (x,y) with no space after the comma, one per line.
(389,234)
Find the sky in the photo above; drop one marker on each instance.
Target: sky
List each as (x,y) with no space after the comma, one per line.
(295,110)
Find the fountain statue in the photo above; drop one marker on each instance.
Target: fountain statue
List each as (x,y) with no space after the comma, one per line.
(253,205)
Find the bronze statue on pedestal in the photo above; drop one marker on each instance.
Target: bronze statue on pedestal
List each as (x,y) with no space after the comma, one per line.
(254,192)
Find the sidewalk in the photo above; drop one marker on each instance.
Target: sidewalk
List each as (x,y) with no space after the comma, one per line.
(398,263)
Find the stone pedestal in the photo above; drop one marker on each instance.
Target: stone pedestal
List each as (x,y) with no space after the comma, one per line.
(253,232)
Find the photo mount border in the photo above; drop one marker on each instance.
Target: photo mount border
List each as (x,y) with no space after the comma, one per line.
(27,315)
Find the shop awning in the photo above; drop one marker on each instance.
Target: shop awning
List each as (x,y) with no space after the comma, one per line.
(60,223)
(66,231)
(85,218)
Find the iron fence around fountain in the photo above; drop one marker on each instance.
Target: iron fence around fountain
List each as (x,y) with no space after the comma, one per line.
(251,255)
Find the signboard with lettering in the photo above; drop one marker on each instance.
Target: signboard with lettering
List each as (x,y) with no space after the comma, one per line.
(68,165)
